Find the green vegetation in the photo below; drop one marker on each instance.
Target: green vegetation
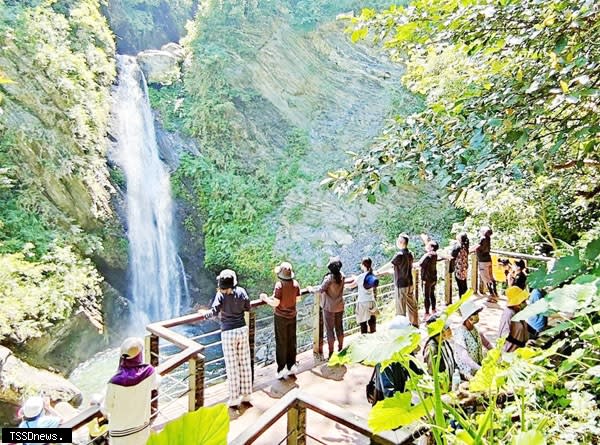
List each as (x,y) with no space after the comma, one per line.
(235,208)
(554,390)
(510,111)
(54,186)
(142,24)
(36,294)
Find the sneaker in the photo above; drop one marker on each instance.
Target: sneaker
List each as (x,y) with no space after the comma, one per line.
(282,374)
(427,315)
(293,370)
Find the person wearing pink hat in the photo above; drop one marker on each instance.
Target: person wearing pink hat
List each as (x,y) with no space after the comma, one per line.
(469,342)
(515,332)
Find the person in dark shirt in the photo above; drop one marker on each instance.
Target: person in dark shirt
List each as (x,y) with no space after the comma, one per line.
(484,261)
(428,266)
(402,265)
(231,301)
(517,276)
(285,295)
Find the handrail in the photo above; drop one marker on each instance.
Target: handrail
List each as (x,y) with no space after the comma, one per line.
(82,418)
(524,256)
(299,400)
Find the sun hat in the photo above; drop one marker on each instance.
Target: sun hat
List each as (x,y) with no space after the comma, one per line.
(515,296)
(227,279)
(284,271)
(131,347)
(469,308)
(33,407)
(399,322)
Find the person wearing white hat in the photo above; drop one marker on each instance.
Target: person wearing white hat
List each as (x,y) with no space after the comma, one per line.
(469,342)
(38,413)
(128,396)
(285,296)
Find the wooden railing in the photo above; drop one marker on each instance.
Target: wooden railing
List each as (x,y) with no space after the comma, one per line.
(296,403)
(190,349)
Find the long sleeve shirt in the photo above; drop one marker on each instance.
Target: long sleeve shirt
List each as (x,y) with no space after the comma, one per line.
(468,350)
(232,308)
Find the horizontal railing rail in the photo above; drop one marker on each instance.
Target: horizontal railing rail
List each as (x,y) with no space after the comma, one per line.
(295,404)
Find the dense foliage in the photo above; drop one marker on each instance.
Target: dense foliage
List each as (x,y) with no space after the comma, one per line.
(55,191)
(547,395)
(143,24)
(250,154)
(511,105)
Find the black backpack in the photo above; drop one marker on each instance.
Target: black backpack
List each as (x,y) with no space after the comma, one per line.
(385,384)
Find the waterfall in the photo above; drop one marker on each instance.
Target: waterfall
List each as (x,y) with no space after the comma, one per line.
(157,281)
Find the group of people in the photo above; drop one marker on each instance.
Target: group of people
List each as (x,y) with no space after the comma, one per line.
(126,404)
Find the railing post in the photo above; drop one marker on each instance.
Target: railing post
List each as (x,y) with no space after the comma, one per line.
(151,355)
(296,425)
(251,321)
(317,327)
(474,273)
(447,283)
(196,383)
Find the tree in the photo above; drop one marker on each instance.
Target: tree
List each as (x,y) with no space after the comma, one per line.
(511,92)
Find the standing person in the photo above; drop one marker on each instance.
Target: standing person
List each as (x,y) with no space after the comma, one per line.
(38,413)
(459,264)
(469,341)
(128,396)
(231,302)
(428,266)
(285,295)
(366,308)
(516,332)
(401,265)
(517,275)
(332,302)
(484,261)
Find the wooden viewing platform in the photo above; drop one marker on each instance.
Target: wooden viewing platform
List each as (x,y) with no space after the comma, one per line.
(328,404)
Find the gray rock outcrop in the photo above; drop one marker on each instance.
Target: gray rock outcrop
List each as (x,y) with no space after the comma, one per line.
(162,66)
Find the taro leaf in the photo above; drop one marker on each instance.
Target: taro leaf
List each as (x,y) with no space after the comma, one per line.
(574,297)
(531,437)
(591,332)
(592,251)
(437,326)
(594,371)
(379,347)
(565,325)
(539,307)
(571,362)
(397,411)
(487,377)
(206,425)
(564,269)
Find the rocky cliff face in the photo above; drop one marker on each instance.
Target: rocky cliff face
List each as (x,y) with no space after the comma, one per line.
(57,188)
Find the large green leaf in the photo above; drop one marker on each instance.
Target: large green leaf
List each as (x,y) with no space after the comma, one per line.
(397,411)
(539,307)
(574,297)
(592,250)
(380,347)
(205,426)
(487,377)
(564,269)
(531,437)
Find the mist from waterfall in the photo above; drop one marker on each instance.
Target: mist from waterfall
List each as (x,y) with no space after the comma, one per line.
(158,289)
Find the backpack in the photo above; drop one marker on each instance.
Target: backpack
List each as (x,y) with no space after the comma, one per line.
(384,384)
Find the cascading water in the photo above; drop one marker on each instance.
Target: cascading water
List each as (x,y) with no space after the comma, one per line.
(157,281)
